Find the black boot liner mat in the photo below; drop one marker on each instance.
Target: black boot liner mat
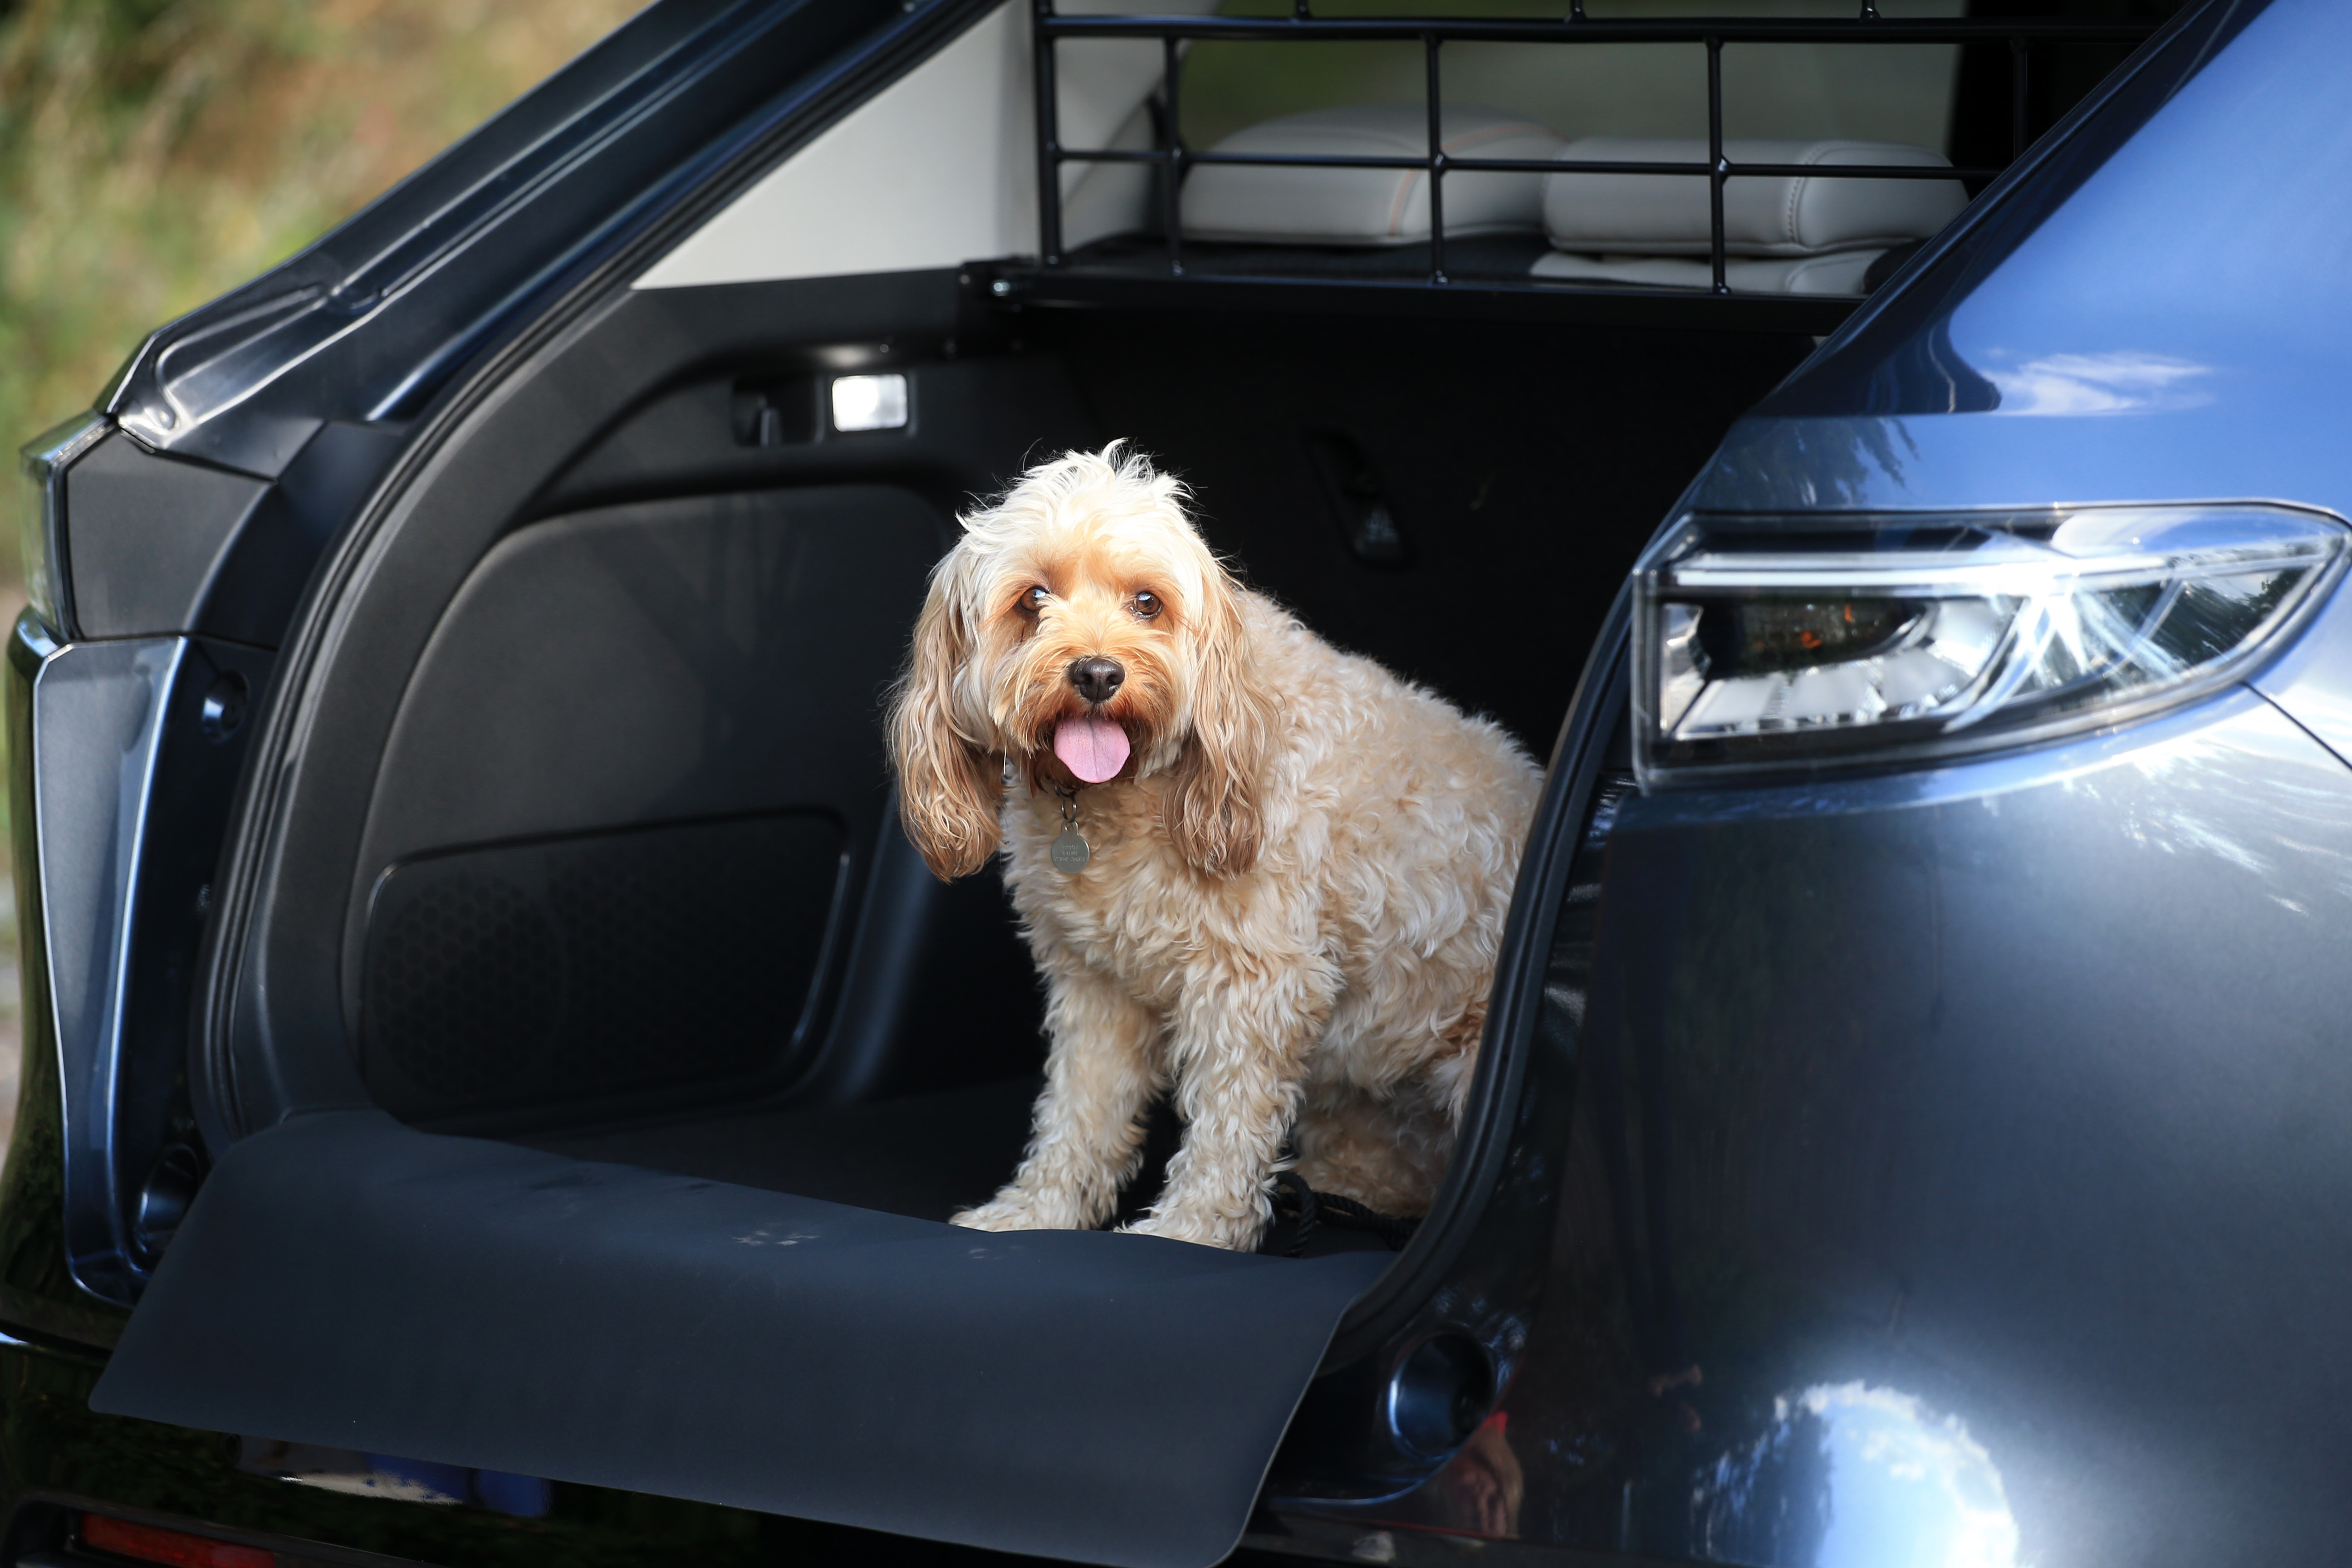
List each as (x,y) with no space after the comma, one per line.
(346,1280)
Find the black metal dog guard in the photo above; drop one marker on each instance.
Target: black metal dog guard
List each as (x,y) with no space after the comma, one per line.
(1432,33)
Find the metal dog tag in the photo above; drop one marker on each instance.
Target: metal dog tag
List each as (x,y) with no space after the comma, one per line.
(1070,852)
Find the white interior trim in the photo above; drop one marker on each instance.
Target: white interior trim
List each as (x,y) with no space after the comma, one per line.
(936,169)
(932,171)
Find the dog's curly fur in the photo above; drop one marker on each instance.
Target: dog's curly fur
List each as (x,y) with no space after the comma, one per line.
(1298,880)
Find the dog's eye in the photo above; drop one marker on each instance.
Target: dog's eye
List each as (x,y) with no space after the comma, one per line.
(1035,600)
(1147,605)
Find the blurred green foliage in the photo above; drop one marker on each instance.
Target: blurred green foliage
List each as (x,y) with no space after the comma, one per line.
(156,152)
(1875,91)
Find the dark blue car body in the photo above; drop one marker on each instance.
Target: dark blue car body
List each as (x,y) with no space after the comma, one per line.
(1926,1160)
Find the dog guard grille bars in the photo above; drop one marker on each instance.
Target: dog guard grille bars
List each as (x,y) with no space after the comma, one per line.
(2020,34)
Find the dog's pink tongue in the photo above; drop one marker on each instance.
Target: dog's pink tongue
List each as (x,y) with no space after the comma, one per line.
(1093,748)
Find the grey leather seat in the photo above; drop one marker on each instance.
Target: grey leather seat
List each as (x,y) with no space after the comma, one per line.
(1794,234)
(1783,234)
(1270,205)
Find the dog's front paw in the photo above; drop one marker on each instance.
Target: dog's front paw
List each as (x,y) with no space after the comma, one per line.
(1022,1208)
(1000,1214)
(1201,1229)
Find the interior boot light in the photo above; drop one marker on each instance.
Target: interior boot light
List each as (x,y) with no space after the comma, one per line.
(869,402)
(1778,643)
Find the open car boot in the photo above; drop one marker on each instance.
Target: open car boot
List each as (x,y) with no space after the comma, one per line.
(484,1012)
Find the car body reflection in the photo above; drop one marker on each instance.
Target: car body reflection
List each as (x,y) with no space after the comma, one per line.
(1849,1475)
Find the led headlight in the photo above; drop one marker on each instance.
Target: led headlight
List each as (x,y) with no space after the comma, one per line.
(1778,643)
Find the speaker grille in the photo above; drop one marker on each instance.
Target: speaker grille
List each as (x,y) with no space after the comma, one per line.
(468,986)
(571,969)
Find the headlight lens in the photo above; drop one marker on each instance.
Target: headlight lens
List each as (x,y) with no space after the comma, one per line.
(1777,643)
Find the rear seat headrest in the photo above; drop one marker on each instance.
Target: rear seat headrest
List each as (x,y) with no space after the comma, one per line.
(1666,215)
(1274,205)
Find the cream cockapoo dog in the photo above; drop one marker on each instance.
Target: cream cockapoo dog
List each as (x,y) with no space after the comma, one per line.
(1297,871)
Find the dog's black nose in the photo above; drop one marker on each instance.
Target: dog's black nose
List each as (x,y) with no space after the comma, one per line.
(1096,678)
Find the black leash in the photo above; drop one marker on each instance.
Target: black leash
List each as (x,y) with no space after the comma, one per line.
(1293,1199)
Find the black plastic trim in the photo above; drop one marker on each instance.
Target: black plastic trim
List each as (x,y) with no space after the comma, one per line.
(605,165)
(1385,1313)
(1075,286)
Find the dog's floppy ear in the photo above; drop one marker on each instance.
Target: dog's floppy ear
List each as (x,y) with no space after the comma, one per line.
(1210,808)
(948,787)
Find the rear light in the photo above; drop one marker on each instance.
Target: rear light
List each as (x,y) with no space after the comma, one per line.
(42,463)
(151,1543)
(1773,644)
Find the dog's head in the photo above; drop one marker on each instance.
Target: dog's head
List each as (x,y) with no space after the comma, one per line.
(1082,630)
